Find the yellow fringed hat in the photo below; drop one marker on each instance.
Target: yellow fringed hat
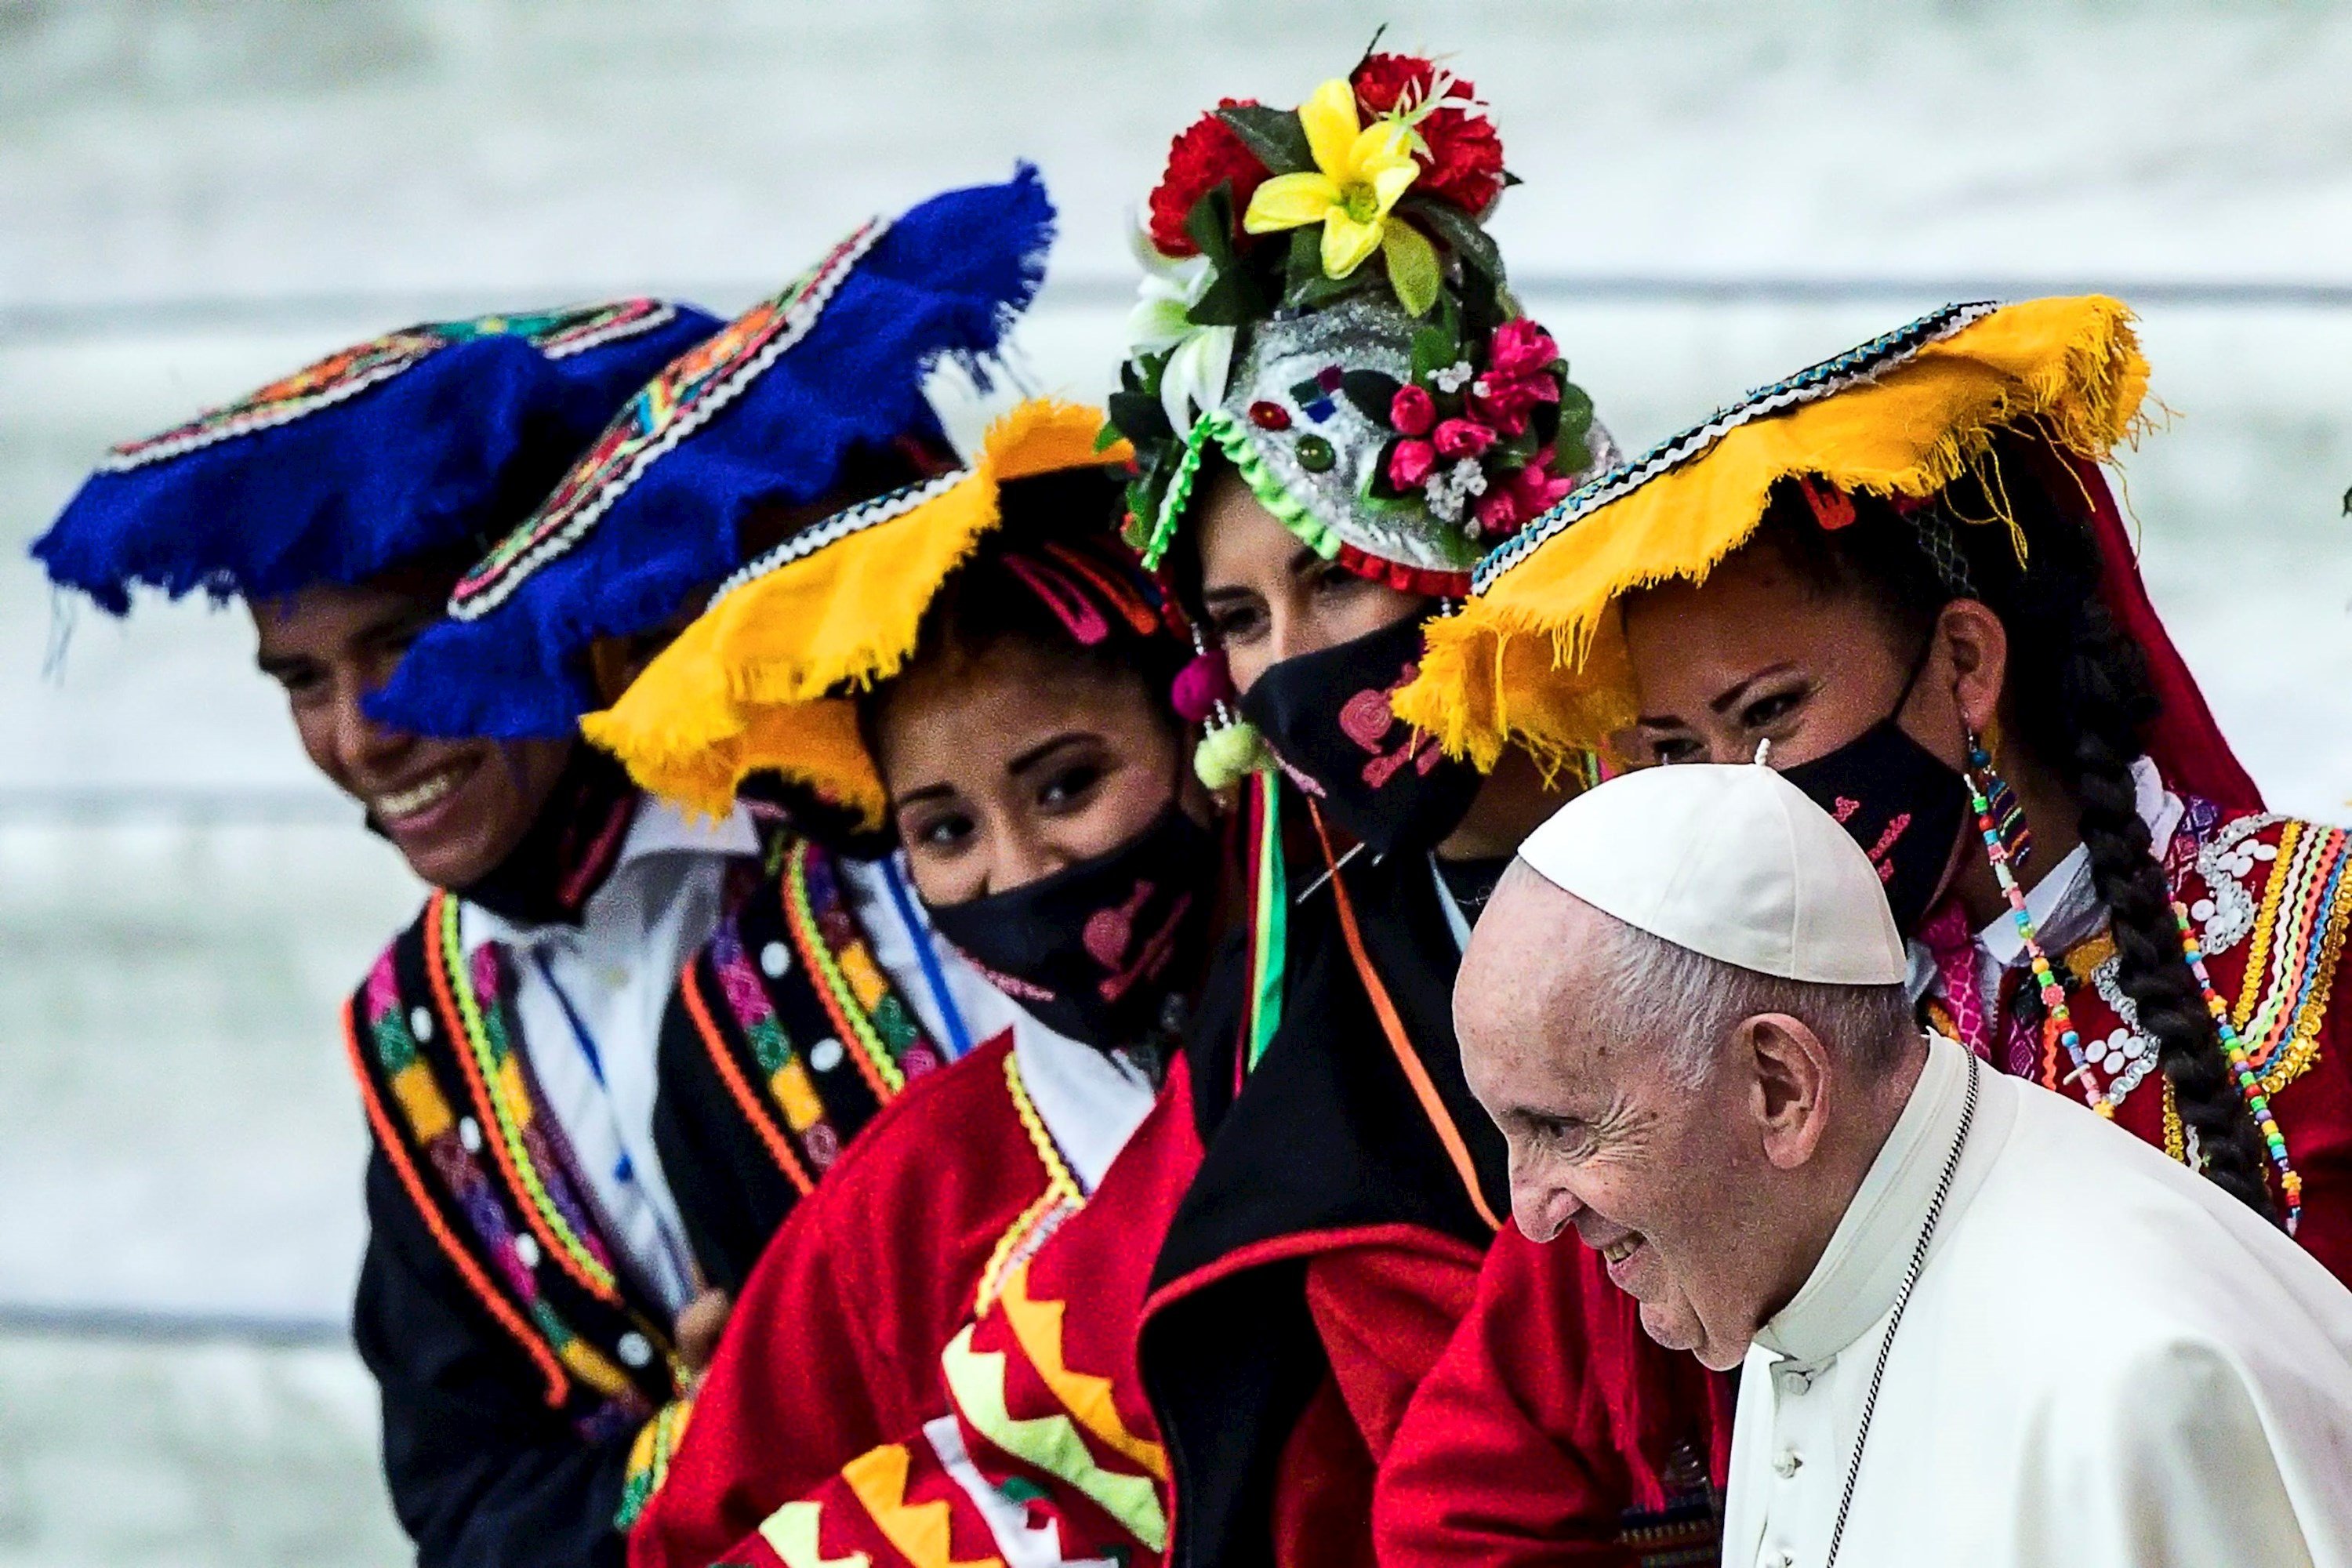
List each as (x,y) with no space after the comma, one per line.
(762,680)
(1536,655)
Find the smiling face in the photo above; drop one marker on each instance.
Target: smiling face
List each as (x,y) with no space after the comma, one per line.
(1005,766)
(454,809)
(1692,1191)
(1267,597)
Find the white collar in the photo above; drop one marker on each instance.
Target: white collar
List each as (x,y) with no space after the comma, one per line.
(2064,905)
(658,830)
(1853,1284)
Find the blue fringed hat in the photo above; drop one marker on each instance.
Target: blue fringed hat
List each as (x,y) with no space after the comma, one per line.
(425,441)
(648,522)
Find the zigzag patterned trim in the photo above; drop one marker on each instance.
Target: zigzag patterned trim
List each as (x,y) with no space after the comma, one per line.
(609,325)
(1832,375)
(341,375)
(841,525)
(564,523)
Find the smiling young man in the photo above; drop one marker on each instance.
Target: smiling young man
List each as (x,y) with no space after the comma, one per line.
(339,504)
(455,808)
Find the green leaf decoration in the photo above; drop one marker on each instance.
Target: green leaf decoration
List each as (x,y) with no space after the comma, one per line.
(1372,390)
(1513,452)
(1434,349)
(1274,135)
(1210,225)
(1459,232)
(1413,267)
(1575,417)
(1139,418)
(1318,291)
(1302,265)
(1234,299)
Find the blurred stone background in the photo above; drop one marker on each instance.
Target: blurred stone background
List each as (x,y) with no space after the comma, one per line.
(198,194)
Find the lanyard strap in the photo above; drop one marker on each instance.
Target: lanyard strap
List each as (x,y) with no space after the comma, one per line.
(1440,1121)
(625,1171)
(958,1040)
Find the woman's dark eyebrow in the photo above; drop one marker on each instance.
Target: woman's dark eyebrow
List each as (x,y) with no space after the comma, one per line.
(1730,699)
(1305,560)
(929,791)
(1036,755)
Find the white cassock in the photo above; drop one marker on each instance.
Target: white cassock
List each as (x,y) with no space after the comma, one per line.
(2106,1360)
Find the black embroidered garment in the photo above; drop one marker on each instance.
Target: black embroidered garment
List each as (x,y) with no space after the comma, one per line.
(518,1358)
(1327,1142)
(785,1038)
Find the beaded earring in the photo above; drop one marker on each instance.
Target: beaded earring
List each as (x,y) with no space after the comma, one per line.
(2008,811)
(1983,783)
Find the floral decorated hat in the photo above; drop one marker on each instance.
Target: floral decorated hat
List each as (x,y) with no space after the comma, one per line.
(1324,306)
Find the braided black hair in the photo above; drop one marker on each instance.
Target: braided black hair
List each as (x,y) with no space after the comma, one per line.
(2079,700)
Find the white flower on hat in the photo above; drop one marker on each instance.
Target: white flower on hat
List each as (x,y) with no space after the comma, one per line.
(1197,371)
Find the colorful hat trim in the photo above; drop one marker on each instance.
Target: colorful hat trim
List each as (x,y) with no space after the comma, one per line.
(765,413)
(1536,656)
(430,440)
(762,680)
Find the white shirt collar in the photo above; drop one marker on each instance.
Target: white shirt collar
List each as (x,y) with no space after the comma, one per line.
(658,830)
(1853,1284)
(2064,905)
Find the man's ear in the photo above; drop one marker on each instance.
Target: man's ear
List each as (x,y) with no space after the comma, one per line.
(1792,1068)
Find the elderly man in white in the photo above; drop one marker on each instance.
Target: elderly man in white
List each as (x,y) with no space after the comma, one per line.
(1977,1325)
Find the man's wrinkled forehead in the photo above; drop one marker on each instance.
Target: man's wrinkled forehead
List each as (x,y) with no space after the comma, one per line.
(1526,957)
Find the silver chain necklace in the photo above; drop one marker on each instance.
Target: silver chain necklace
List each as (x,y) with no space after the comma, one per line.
(1902,1299)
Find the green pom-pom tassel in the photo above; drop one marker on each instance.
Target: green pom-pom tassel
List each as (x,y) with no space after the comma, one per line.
(1229,754)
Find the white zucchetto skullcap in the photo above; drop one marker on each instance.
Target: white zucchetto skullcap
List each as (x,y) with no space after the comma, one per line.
(1728,859)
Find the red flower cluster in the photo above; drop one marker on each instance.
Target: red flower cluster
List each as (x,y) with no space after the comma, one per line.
(1521,371)
(1204,156)
(1464,165)
(1509,506)
(1518,375)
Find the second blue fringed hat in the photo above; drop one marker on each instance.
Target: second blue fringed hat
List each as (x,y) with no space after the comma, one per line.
(776,402)
(428,441)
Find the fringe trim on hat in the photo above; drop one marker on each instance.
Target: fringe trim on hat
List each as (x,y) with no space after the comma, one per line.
(760,682)
(1217,426)
(1537,656)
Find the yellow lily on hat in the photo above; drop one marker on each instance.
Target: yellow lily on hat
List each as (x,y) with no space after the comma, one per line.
(1361,173)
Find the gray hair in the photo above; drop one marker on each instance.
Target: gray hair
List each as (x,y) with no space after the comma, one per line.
(1648,990)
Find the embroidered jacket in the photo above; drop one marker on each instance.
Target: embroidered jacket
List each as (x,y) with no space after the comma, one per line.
(833,1348)
(1502,1431)
(531,1393)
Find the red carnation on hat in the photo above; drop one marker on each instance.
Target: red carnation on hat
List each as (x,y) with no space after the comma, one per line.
(1204,156)
(1465,161)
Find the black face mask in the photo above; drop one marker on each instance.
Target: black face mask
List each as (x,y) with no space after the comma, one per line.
(1093,951)
(1326,716)
(1902,803)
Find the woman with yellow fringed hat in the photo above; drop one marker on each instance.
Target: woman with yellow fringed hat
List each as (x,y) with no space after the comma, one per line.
(975,667)
(1899,577)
